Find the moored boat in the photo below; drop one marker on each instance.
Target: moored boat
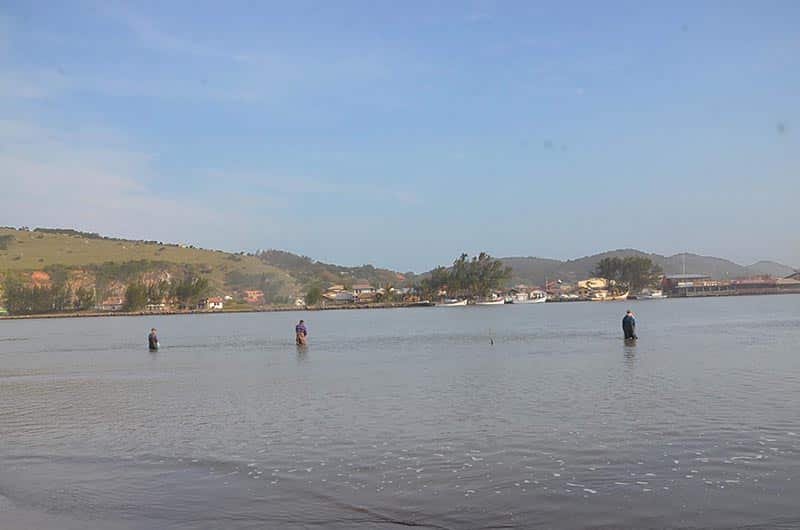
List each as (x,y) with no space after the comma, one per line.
(535,297)
(451,302)
(648,294)
(492,301)
(605,296)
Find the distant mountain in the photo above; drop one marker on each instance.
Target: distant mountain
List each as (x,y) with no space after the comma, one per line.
(533,271)
(770,268)
(307,271)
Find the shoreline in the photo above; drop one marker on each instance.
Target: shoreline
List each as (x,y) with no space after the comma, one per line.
(271,309)
(343,307)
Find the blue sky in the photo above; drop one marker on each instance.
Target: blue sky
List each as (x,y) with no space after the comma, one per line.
(403,133)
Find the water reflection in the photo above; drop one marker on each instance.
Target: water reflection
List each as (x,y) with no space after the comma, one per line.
(629,351)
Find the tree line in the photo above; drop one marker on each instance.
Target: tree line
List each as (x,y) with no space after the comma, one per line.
(22,299)
(186,293)
(633,272)
(474,277)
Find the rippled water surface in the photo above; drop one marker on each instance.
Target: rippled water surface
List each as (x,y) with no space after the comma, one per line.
(477,417)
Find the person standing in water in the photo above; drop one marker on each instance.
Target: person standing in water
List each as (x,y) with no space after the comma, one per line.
(629,325)
(152,340)
(301,333)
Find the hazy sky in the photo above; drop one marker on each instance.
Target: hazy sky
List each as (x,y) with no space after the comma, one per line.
(403,133)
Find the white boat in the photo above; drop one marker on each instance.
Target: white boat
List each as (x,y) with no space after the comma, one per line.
(536,297)
(647,294)
(492,301)
(451,302)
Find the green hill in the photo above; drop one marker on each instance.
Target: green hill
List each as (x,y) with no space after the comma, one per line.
(106,260)
(106,265)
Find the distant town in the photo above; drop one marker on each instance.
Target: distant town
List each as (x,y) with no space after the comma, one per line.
(62,272)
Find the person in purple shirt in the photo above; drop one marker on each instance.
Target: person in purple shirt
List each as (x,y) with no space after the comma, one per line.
(152,340)
(301,333)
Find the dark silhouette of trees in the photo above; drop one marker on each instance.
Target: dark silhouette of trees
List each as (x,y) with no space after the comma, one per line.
(467,278)
(22,299)
(190,290)
(135,296)
(632,272)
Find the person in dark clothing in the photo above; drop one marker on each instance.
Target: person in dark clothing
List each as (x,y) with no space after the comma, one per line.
(152,340)
(301,333)
(629,325)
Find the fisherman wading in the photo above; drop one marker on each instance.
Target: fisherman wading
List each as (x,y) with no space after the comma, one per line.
(152,340)
(629,326)
(301,333)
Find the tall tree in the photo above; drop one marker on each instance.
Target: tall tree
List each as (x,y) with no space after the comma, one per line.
(84,298)
(135,296)
(633,272)
(609,268)
(313,295)
(467,277)
(190,290)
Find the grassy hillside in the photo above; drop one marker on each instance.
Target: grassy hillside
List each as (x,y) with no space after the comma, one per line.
(22,250)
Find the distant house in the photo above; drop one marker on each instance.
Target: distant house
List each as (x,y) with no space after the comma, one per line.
(214,303)
(689,284)
(254,297)
(363,288)
(156,306)
(331,292)
(111,304)
(40,279)
(300,302)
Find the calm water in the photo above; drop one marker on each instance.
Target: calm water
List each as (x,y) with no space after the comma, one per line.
(408,417)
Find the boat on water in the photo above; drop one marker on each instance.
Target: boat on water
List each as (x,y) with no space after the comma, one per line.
(650,294)
(535,297)
(451,302)
(617,297)
(605,296)
(492,301)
